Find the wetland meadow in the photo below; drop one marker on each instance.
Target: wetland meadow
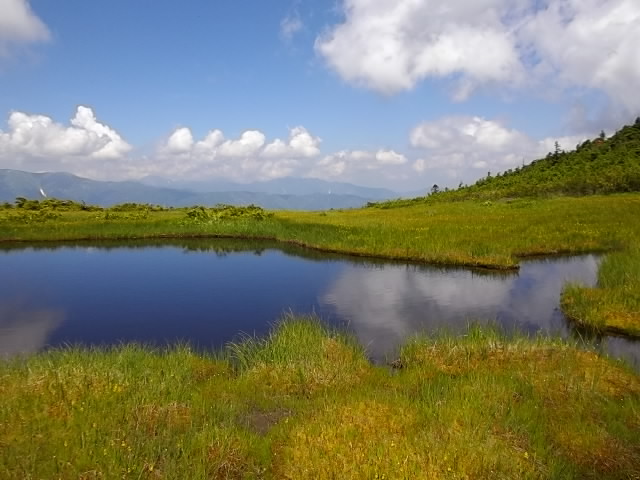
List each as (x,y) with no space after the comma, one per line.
(328,394)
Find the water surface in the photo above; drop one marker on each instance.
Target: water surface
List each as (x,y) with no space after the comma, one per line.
(207,292)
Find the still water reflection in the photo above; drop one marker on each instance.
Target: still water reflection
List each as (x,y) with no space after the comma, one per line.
(207,292)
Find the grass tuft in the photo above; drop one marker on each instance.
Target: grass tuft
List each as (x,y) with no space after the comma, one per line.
(614,305)
(304,403)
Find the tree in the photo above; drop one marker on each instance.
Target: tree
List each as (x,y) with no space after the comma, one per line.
(435,189)
(556,150)
(603,135)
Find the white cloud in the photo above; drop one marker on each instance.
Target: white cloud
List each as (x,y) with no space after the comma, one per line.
(180,141)
(457,145)
(361,166)
(301,144)
(249,143)
(19,26)
(38,140)
(389,157)
(90,148)
(210,142)
(445,151)
(419,165)
(589,43)
(341,162)
(290,25)
(391,46)
(463,131)
(330,166)
(246,158)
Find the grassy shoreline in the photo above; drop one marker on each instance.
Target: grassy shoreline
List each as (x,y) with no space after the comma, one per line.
(613,306)
(458,234)
(305,403)
(485,235)
(296,243)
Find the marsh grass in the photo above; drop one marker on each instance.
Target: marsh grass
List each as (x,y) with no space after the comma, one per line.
(493,235)
(613,306)
(460,233)
(304,403)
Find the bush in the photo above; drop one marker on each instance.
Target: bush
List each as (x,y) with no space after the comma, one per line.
(200,214)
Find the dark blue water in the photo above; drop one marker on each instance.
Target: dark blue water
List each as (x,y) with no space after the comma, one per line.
(208,292)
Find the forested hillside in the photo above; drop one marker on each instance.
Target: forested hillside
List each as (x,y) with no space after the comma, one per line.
(597,166)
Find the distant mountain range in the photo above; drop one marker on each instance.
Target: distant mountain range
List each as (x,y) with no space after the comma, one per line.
(280,186)
(285,193)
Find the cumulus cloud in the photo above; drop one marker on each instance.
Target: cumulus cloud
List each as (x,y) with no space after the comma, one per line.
(391,46)
(249,143)
(471,131)
(338,163)
(592,43)
(301,144)
(37,140)
(389,157)
(458,145)
(361,166)
(248,157)
(93,149)
(180,141)
(19,26)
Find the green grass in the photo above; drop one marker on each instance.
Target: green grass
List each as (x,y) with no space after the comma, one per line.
(614,305)
(305,403)
(461,233)
(466,233)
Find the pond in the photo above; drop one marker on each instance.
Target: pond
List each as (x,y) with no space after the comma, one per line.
(207,292)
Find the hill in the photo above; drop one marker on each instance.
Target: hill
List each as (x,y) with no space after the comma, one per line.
(597,166)
(318,196)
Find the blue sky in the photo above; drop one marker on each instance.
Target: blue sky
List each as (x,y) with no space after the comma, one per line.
(399,94)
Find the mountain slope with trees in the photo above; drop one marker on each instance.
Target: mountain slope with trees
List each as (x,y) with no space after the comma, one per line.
(596,166)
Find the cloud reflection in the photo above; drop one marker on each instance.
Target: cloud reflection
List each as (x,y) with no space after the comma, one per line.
(24,329)
(385,306)
(622,348)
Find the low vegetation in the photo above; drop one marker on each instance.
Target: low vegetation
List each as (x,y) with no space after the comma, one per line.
(487,234)
(598,166)
(460,233)
(614,305)
(202,215)
(305,403)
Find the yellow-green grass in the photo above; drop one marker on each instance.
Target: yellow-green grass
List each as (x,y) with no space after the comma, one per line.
(468,233)
(458,233)
(613,306)
(304,403)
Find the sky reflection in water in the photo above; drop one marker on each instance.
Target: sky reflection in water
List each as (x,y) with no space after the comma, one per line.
(207,292)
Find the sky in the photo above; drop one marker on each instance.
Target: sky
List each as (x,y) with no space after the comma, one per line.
(401,94)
